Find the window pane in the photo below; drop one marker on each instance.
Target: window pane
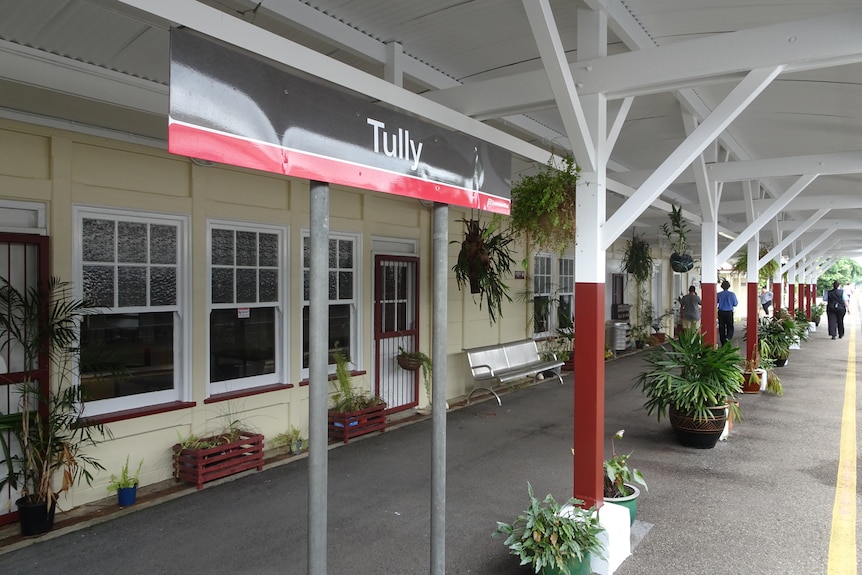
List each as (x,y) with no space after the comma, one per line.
(99,285)
(126,354)
(246,285)
(268,286)
(305,285)
(131,286)
(333,253)
(268,255)
(163,286)
(163,244)
(246,249)
(98,240)
(345,285)
(131,242)
(222,247)
(345,254)
(222,285)
(306,252)
(241,347)
(333,285)
(339,331)
(541,306)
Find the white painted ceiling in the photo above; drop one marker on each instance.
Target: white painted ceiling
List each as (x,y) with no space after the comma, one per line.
(102,66)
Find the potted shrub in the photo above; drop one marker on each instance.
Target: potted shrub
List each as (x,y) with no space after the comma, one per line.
(292,439)
(126,484)
(543,206)
(817,312)
(553,539)
(354,412)
(675,230)
(694,384)
(40,325)
(483,262)
(234,449)
(774,339)
(619,486)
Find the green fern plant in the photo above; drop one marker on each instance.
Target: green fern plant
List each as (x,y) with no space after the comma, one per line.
(543,206)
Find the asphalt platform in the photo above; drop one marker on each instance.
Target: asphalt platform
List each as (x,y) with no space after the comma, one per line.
(759,503)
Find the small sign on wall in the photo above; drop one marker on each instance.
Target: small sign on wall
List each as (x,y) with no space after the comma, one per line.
(519,275)
(243,313)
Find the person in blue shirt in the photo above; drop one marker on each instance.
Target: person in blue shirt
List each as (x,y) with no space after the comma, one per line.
(726,302)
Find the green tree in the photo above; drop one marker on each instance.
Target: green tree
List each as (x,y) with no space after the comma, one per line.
(844,271)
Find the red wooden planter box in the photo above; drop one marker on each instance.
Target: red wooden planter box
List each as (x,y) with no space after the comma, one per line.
(343,426)
(199,466)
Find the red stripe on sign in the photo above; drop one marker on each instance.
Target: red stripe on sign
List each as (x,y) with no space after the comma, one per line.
(195,142)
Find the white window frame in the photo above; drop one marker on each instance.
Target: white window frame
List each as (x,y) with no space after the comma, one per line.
(181,311)
(555,288)
(282,317)
(356,360)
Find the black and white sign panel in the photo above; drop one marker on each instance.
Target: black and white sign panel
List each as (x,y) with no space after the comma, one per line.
(231,106)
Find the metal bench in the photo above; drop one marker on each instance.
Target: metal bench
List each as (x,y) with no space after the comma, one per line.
(507,362)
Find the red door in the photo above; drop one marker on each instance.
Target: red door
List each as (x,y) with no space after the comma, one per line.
(396,324)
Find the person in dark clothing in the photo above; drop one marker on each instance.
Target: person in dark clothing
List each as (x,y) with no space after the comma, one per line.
(726,302)
(835,310)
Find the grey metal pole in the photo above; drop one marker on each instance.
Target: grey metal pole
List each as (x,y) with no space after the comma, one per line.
(318,380)
(439,312)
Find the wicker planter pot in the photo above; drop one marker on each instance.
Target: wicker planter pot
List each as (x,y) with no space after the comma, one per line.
(344,426)
(199,466)
(408,363)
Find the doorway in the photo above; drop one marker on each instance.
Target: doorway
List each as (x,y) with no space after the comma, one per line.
(396,324)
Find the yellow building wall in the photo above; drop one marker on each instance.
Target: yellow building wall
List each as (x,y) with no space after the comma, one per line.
(62,170)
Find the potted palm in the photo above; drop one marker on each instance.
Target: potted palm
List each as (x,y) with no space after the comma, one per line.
(38,328)
(620,479)
(554,539)
(694,384)
(483,263)
(675,230)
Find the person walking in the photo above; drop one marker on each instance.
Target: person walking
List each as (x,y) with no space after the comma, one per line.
(690,309)
(726,302)
(765,299)
(835,310)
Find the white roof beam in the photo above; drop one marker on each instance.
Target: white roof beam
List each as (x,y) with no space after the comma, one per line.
(823,164)
(776,250)
(804,251)
(840,224)
(799,204)
(559,75)
(808,44)
(767,216)
(708,130)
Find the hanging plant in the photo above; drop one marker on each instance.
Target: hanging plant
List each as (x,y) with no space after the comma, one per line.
(543,206)
(676,229)
(765,273)
(483,262)
(637,260)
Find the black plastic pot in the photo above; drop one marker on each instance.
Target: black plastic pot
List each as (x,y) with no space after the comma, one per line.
(681,263)
(35,518)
